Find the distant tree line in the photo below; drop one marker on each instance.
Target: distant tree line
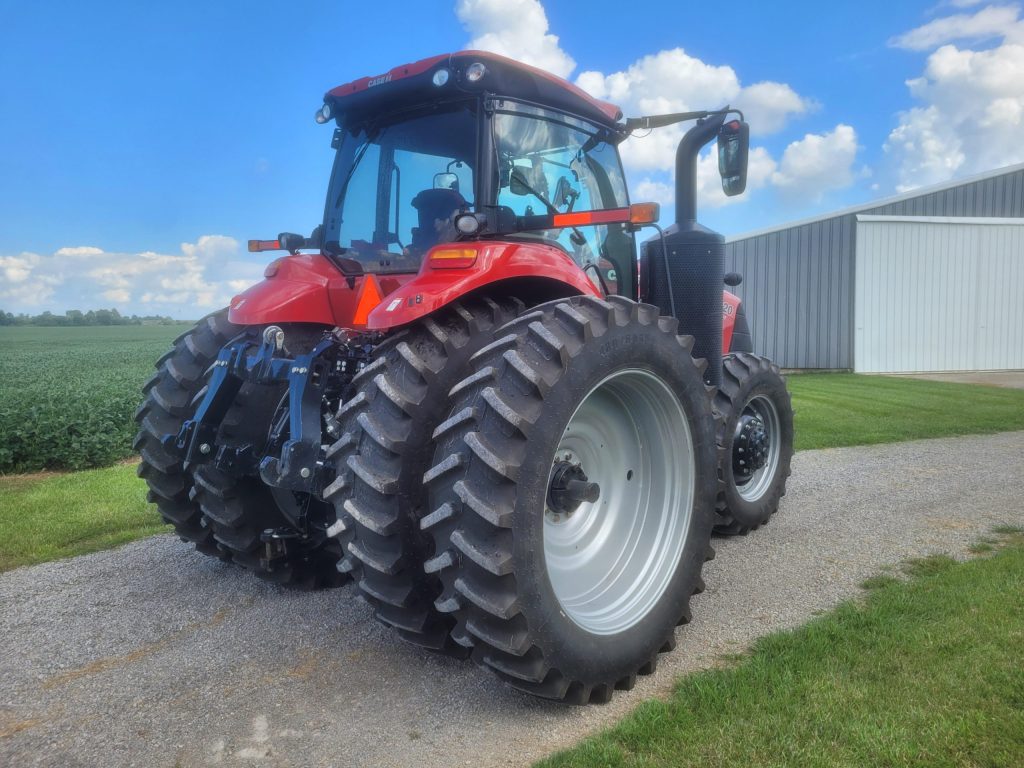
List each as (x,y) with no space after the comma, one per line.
(75,317)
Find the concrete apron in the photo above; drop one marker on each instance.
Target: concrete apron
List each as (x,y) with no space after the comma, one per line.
(1009,379)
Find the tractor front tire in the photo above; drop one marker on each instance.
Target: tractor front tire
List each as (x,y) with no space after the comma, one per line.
(170,398)
(380,460)
(756,442)
(564,590)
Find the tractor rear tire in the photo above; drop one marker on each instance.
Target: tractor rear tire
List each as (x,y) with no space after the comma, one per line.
(753,397)
(170,398)
(387,446)
(572,598)
(238,509)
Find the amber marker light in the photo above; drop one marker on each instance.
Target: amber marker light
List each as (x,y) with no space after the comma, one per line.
(452,258)
(644,213)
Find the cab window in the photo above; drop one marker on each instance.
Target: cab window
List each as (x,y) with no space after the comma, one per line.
(551,163)
(396,186)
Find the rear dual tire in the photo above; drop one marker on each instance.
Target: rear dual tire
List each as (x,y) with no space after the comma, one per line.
(573,613)
(753,394)
(223,515)
(398,400)
(170,397)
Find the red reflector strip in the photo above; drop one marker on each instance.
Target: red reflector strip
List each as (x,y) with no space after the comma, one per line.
(612,216)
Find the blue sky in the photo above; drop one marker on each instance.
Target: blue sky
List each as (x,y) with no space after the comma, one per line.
(143,142)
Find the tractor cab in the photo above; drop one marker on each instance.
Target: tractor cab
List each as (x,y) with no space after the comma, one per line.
(473,133)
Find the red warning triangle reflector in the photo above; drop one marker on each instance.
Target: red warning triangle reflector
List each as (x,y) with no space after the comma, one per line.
(369,297)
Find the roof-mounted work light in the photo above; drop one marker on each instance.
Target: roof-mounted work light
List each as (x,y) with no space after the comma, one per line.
(323,114)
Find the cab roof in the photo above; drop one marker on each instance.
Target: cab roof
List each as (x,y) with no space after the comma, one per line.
(415,84)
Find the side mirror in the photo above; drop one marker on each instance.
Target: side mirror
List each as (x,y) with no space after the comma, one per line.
(517,183)
(446,181)
(565,193)
(733,150)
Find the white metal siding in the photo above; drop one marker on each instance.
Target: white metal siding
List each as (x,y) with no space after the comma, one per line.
(798,279)
(938,294)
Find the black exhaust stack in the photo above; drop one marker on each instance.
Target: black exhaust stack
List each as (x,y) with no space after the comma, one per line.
(685,269)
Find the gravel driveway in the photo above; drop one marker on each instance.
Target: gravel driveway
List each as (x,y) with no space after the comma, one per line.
(153,655)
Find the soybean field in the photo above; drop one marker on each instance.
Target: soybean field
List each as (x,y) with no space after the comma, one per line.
(68,395)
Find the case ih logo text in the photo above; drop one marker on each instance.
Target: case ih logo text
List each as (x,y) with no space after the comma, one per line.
(379,80)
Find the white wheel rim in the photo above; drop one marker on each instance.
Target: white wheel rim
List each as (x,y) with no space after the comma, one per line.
(610,562)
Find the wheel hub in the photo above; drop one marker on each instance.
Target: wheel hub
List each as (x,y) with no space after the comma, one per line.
(750,447)
(569,487)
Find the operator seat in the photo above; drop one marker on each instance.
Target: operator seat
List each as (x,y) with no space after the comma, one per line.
(431,205)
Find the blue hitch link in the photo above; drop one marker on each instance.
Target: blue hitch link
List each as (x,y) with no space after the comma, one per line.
(195,440)
(300,466)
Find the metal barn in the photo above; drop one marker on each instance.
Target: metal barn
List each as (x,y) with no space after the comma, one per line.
(931,280)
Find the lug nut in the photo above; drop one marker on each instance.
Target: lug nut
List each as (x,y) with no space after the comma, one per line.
(304,472)
(204,448)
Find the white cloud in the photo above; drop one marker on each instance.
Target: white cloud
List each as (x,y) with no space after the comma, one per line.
(16,269)
(650,191)
(80,250)
(118,296)
(203,276)
(818,163)
(514,28)
(986,24)
(210,247)
(970,115)
(768,106)
(674,81)
(21,285)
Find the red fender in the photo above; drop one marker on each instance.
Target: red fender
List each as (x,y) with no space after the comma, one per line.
(730,303)
(436,286)
(307,288)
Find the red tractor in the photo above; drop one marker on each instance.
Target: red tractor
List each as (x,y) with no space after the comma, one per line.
(466,392)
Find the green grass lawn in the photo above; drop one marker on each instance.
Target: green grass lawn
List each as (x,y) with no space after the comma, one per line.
(834,409)
(922,673)
(46,517)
